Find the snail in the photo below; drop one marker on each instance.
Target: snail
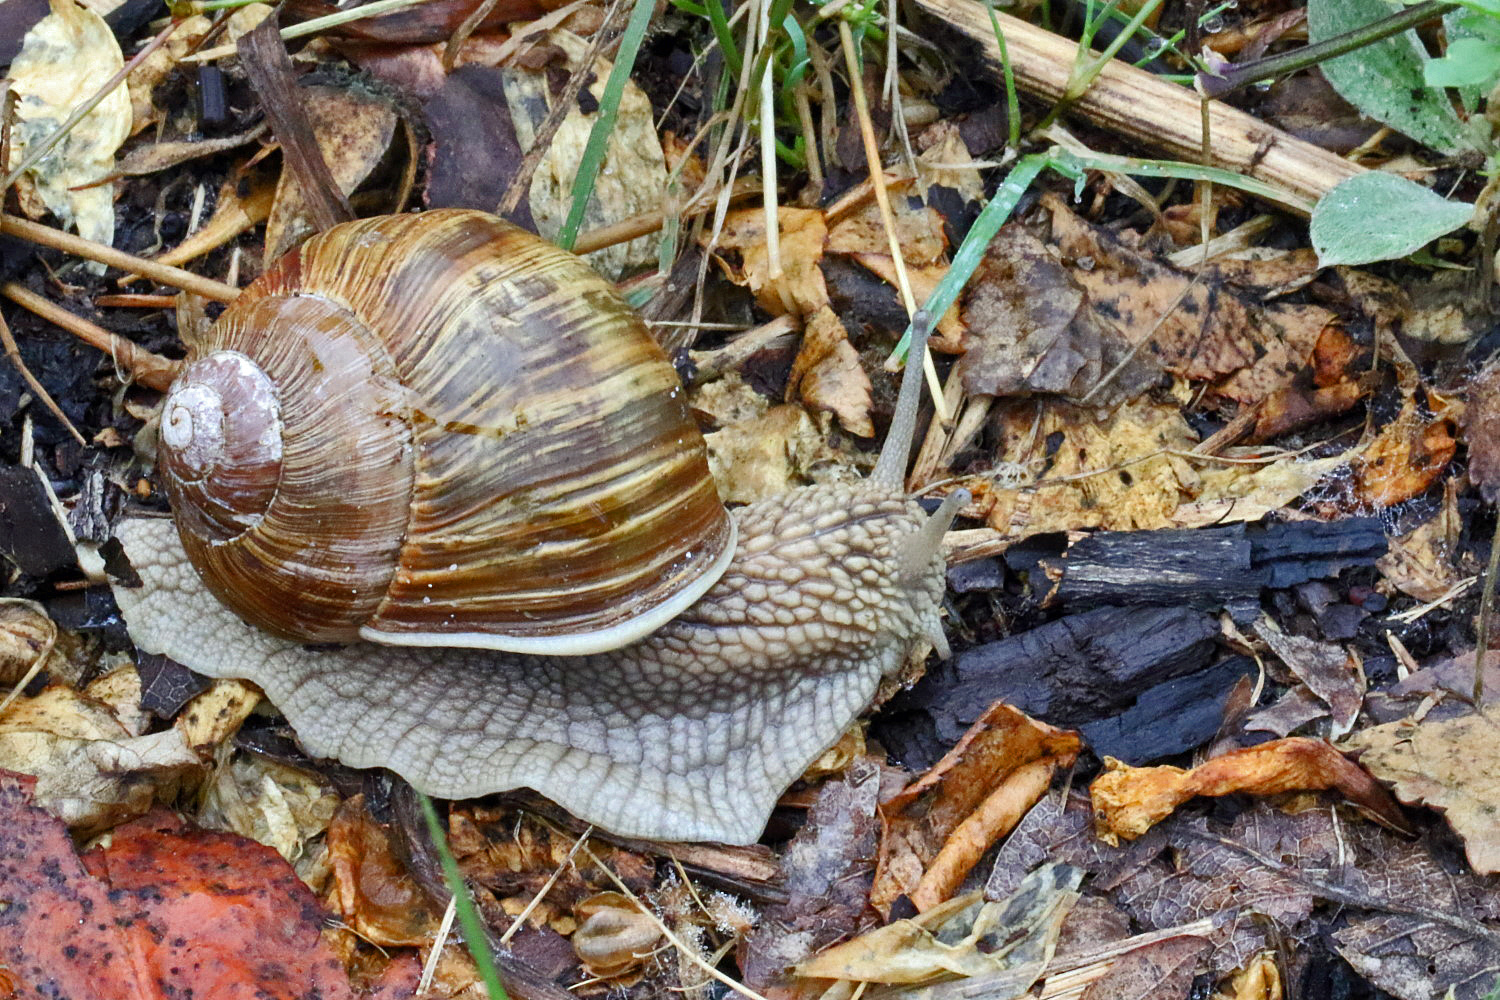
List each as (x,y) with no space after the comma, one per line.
(426,378)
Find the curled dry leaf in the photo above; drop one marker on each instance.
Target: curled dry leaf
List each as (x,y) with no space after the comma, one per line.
(964,937)
(372,891)
(799,289)
(353,129)
(1408,454)
(89,771)
(66,57)
(1330,671)
(766,455)
(1451,765)
(1128,801)
(939,826)
(616,938)
(829,376)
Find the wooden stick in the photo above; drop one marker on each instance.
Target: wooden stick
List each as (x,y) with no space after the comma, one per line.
(149,369)
(1123,97)
(89,250)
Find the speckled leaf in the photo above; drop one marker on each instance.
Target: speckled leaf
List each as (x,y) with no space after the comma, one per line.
(1379,216)
(1385,79)
(162,911)
(64,60)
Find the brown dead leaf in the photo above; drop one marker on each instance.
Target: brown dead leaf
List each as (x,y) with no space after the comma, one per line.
(828,374)
(1159,971)
(1128,801)
(1420,562)
(30,643)
(1216,333)
(940,825)
(215,715)
(1407,455)
(1482,430)
(919,233)
(1330,671)
(354,130)
(90,772)
(372,890)
(799,289)
(827,877)
(1031,329)
(1451,765)
(234,213)
(764,456)
(1112,470)
(285,808)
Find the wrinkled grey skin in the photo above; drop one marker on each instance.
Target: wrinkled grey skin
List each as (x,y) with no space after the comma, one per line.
(689,734)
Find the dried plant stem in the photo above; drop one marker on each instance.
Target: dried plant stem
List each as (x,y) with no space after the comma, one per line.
(1149,110)
(13,352)
(1486,604)
(149,369)
(89,250)
(649,222)
(883,201)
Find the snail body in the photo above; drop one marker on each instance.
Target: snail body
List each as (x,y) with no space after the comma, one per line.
(689,731)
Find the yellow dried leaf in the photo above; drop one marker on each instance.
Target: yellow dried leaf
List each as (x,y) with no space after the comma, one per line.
(64,60)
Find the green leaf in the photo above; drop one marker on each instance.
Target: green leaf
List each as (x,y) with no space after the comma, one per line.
(1385,80)
(1469,62)
(1378,216)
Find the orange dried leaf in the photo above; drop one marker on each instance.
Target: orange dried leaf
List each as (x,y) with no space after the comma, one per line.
(829,375)
(799,288)
(937,828)
(1128,801)
(1407,456)
(372,891)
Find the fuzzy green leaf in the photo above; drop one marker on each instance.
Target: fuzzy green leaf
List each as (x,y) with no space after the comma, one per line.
(1378,216)
(1386,80)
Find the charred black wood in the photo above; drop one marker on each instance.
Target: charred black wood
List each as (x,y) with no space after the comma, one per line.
(1071,672)
(1212,568)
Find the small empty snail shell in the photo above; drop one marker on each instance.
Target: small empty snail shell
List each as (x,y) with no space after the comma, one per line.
(439,429)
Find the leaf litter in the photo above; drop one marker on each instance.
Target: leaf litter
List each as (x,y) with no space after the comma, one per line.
(1111,385)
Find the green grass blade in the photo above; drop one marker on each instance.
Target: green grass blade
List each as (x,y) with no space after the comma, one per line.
(604,124)
(468,917)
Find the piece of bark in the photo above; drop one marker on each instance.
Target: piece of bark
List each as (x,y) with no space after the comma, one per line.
(1170,718)
(1211,568)
(265,61)
(1069,672)
(30,535)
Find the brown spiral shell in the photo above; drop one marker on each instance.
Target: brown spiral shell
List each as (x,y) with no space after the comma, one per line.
(438,429)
